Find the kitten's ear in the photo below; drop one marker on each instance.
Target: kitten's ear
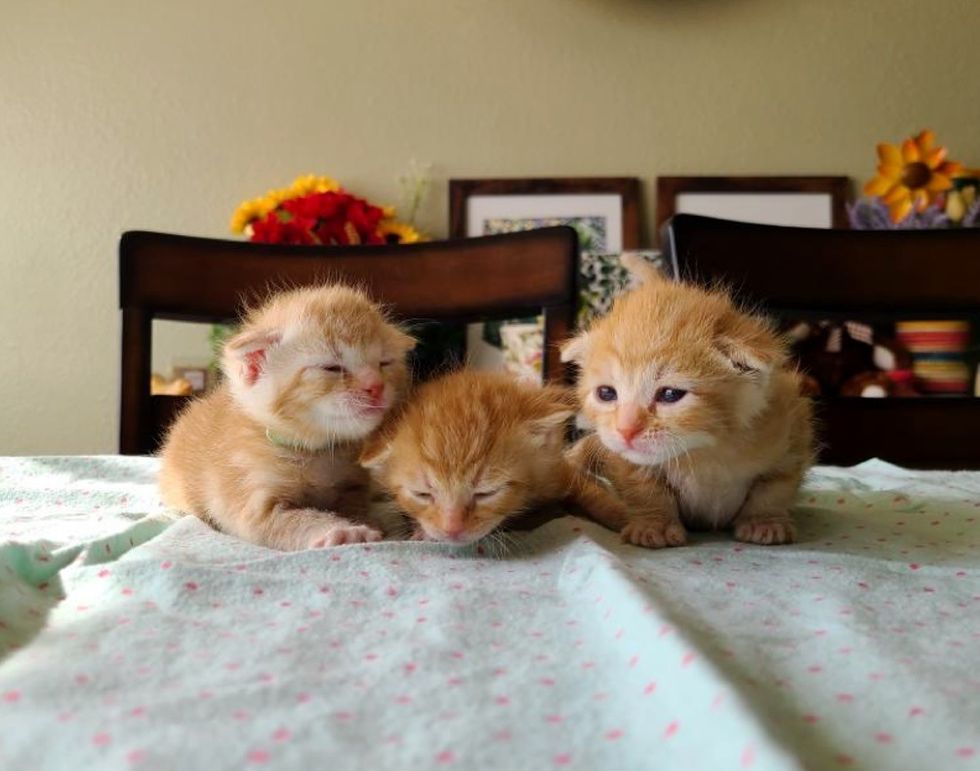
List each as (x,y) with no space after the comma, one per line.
(551,414)
(544,428)
(376,451)
(247,352)
(640,268)
(400,341)
(575,349)
(749,346)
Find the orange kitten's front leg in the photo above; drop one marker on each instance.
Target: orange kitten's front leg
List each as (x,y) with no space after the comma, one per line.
(293,529)
(656,523)
(640,508)
(598,502)
(764,517)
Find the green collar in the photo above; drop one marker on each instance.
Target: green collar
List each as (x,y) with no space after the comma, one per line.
(288,443)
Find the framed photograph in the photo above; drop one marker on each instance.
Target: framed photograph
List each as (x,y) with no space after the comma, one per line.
(604,210)
(815,202)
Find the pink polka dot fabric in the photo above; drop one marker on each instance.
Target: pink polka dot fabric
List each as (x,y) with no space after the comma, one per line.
(855,648)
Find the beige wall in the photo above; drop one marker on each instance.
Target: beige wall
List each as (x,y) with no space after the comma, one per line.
(119,114)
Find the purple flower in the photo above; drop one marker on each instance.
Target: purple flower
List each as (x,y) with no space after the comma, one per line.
(872,214)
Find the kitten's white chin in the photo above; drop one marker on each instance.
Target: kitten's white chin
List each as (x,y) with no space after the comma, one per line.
(349,424)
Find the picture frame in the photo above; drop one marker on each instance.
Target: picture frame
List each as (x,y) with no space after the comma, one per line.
(605,210)
(807,201)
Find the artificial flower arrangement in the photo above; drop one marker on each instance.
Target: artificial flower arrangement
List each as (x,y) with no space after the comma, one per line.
(317,210)
(916,188)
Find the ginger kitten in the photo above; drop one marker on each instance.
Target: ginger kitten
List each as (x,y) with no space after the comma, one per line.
(270,456)
(473,450)
(698,418)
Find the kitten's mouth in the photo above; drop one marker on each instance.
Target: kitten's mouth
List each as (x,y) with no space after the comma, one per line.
(370,410)
(645,451)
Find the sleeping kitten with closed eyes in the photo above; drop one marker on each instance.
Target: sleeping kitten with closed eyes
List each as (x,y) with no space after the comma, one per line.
(270,456)
(473,450)
(698,418)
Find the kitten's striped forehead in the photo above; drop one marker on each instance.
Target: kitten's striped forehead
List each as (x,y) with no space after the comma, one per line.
(339,316)
(471,426)
(663,332)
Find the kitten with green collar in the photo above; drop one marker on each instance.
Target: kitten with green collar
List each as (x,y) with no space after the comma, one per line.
(270,456)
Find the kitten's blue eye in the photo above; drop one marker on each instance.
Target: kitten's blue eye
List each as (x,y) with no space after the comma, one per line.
(334,368)
(669,395)
(605,393)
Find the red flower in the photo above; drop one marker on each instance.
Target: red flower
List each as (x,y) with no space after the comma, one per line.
(315,205)
(273,230)
(321,218)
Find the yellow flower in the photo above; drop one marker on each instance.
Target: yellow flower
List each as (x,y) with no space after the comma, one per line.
(958,201)
(273,198)
(326,185)
(251,210)
(310,183)
(404,232)
(914,175)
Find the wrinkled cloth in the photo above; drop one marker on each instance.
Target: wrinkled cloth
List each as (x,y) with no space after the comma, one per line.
(154,642)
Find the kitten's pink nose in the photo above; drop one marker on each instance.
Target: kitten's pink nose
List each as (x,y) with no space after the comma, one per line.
(629,421)
(452,524)
(630,432)
(373,390)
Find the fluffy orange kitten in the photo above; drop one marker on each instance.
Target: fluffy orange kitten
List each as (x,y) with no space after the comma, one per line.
(475,449)
(271,455)
(698,418)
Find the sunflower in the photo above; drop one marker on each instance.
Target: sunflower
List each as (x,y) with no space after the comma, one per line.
(398,232)
(913,175)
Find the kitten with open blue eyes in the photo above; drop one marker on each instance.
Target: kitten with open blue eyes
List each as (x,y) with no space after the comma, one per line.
(271,455)
(698,418)
(473,451)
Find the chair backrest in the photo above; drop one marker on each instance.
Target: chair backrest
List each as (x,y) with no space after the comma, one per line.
(167,276)
(847,274)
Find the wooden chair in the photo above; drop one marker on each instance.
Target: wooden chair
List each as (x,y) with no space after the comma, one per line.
(847,274)
(168,276)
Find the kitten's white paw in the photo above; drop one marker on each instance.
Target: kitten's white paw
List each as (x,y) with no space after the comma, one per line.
(765,532)
(337,534)
(654,533)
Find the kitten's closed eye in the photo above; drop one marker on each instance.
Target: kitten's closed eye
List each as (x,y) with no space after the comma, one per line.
(335,369)
(385,363)
(421,495)
(484,495)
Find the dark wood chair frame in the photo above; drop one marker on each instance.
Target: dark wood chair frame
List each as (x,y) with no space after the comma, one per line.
(881,276)
(166,276)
